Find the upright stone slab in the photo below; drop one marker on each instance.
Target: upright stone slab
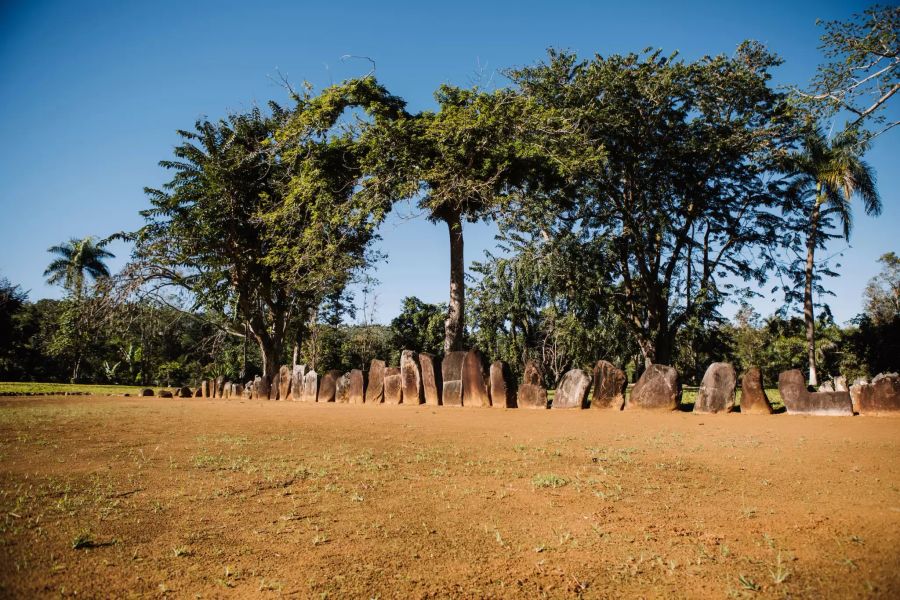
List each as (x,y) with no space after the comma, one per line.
(881,397)
(185,392)
(393,385)
(238,390)
(798,400)
(310,387)
(328,386)
(342,389)
(657,389)
(609,386)
(502,392)
(431,379)
(227,391)
(284,382)
(530,395)
(263,387)
(204,388)
(753,395)
(198,393)
(572,390)
(165,393)
(532,374)
(297,373)
(146,392)
(220,386)
(357,386)
(475,392)
(411,379)
(452,374)
(375,389)
(716,393)
(840,384)
(826,386)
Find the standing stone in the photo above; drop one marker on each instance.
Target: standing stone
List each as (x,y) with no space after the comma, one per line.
(185,392)
(375,390)
(342,389)
(530,395)
(881,397)
(798,400)
(532,373)
(284,382)
(255,388)
(357,386)
(393,386)
(226,391)
(716,393)
(826,386)
(840,384)
(412,381)
(165,394)
(310,387)
(572,390)
(657,389)
(297,374)
(609,386)
(328,386)
(431,379)
(263,388)
(147,392)
(451,375)
(475,392)
(204,388)
(753,394)
(220,386)
(238,390)
(502,394)
(198,393)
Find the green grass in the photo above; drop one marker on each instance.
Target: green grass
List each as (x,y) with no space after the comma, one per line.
(29,387)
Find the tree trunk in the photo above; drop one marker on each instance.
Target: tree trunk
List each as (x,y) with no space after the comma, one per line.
(455,322)
(809,316)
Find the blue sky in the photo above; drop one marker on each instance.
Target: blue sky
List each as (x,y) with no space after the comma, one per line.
(91,94)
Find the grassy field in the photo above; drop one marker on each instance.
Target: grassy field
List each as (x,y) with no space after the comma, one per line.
(30,387)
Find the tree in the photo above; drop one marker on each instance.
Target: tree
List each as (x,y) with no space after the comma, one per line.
(827,175)
(75,259)
(419,326)
(863,70)
(882,293)
(267,214)
(673,167)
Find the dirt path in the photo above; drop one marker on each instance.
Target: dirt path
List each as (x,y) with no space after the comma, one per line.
(212,498)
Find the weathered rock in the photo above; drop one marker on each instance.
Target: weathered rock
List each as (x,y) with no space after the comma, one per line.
(657,389)
(254,388)
(310,387)
(452,375)
(840,384)
(881,397)
(431,378)
(147,392)
(502,390)
(357,391)
(328,386)
(609,386)
(165,394)
(753,394)
(263,388)
(475,392)
(198,393)
(716,393)
(532,374)
(342,389)
(393,385)
(826,387)
(284,382)
(798,400)
(531,396)
(375,389)
(572,390)
(185,392)
(412,380)
(204,389)
(297,373)
(238,390)
(220,386)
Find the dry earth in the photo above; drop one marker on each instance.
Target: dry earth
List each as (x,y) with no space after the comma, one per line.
(117,497)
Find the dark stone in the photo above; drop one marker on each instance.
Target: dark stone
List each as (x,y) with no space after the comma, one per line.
(310,387)
(263,388)
(716,393)
(375,388)
(475,392)
(431,379)
(198,393)
(881,397)
(609,386)
(393,385)
(328,386)
(531,396)
(572,390)
(532,373)
(284,382)
(297,373)
(657,389)
(185,392)
(753,394)
(412,381)
(357,391)
(452,366)
(798,400)
(452,393)
(165,394)
(220,387)
(147,392)
(342,389)
(502,392)
(238,390)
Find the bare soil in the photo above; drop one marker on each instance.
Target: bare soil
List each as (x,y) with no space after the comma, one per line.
(117,497)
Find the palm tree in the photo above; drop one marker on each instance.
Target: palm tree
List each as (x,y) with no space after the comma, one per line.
(75,259)
(829,173)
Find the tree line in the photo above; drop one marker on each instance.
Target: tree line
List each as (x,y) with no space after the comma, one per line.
(635,194)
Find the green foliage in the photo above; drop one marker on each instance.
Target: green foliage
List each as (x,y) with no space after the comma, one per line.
(419,327)
(75,259)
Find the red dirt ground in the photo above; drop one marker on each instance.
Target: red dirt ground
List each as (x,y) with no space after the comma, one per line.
(216,498)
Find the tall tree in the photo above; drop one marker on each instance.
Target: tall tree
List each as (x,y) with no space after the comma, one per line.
(74,260)
(684,202)
(827,175)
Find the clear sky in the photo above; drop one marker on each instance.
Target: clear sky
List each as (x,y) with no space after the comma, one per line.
(91,94)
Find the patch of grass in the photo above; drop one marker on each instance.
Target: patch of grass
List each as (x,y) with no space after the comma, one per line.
(84,539)
(549,480)
(28,387)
